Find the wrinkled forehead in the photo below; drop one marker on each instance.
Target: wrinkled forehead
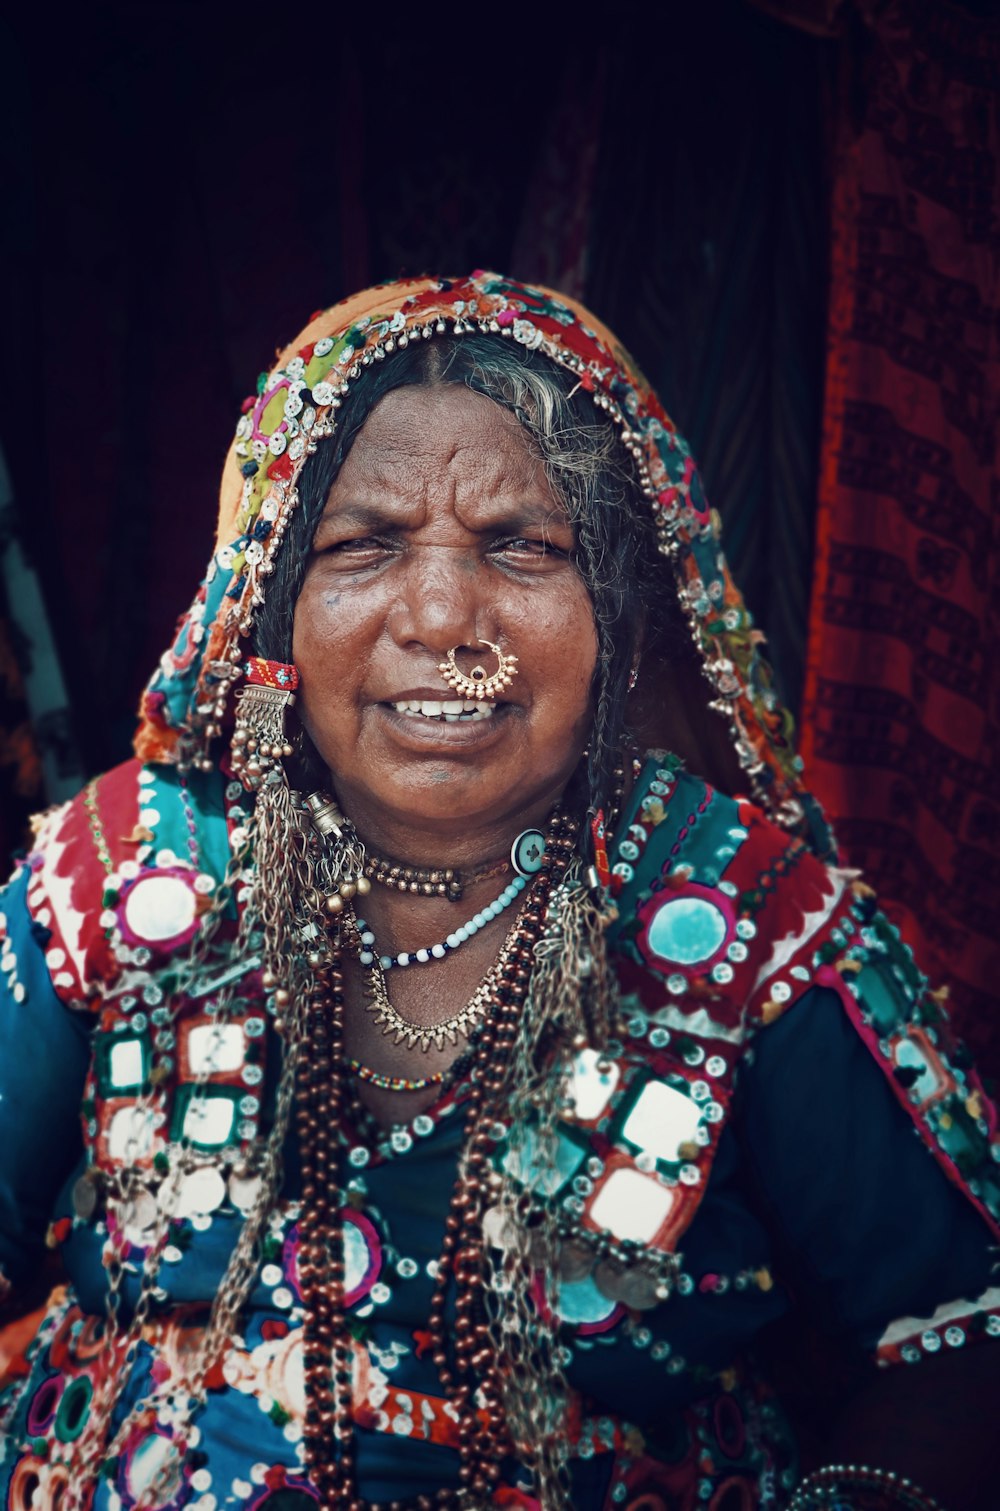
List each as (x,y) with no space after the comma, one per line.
(442,446)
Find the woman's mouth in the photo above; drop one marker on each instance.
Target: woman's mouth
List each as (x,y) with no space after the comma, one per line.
(448,711)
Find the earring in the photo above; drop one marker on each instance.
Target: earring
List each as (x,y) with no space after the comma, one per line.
(477,684)
(633,676)
(259,739)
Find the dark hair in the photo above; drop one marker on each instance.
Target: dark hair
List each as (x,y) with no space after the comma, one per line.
(589,469)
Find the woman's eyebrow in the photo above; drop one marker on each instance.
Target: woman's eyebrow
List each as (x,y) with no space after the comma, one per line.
(363,516)
(528,517)
(511,516)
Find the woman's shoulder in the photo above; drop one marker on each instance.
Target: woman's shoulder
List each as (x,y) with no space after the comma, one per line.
(719,905)
(727,922)
(97,860)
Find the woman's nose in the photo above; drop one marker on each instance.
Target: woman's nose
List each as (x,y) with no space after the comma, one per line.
(440,601)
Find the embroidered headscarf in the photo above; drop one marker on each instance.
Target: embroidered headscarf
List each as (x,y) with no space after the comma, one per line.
(186,705)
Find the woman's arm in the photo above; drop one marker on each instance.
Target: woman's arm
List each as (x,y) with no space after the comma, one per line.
(44,1052)
(869,1232)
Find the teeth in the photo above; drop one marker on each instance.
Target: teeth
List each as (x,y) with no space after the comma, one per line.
(452,711)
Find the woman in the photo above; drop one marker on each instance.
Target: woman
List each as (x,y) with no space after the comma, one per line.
(464,1093)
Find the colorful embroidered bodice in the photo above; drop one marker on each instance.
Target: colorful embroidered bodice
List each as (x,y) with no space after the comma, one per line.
(766,1002)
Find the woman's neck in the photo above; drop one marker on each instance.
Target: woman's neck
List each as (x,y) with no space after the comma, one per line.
(475,847)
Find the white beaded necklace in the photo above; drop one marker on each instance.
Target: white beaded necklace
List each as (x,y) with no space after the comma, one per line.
(458,936)
(526,858)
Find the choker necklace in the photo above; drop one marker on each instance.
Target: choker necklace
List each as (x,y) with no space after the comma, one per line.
(429,881)
(444,881)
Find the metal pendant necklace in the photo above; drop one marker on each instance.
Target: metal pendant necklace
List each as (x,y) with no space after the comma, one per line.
(435,1035)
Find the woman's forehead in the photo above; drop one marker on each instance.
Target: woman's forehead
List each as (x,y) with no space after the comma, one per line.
(444,439)
(431,416)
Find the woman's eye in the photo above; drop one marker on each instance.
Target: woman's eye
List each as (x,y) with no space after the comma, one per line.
(360,544)
(528,545)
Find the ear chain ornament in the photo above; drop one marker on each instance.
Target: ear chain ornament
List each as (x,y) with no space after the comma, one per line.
(477,684)
(259,739)
(470,1375)
(342,850)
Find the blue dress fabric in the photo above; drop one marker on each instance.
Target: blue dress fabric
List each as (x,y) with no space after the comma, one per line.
(822,1169)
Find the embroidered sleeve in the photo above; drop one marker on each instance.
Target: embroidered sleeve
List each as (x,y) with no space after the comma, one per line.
(877,1239)
(43,1059)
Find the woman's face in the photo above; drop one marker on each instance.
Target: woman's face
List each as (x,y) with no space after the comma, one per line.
(442,531)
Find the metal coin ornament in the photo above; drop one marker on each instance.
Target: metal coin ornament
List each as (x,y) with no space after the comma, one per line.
(526,852)
(479,684)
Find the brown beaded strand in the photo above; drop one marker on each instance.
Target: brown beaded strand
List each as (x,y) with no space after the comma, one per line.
(328,1350)
(328,1433)
(482,1444)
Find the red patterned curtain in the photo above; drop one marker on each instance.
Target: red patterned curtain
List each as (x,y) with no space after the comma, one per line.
(901,715)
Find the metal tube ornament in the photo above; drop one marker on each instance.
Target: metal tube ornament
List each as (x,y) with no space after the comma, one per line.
(259,739)
(477,684)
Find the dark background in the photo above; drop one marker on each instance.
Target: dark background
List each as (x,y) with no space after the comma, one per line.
(187,184)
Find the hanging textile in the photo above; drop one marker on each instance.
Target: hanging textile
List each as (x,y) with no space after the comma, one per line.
(902,704)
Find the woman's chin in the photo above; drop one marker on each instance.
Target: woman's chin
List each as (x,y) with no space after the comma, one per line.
(422,773)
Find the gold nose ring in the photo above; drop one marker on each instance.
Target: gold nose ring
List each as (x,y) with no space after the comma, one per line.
(477,684)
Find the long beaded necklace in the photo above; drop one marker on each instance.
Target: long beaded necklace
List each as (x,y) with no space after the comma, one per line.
(468,1370)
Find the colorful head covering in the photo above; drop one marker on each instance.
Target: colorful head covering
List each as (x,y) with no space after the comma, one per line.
(295,407)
